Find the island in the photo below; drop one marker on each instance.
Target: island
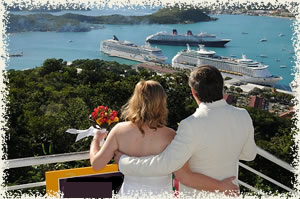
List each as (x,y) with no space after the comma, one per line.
(82,23)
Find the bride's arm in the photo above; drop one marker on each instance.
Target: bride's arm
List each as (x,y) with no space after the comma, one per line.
(202,182)
(100,157)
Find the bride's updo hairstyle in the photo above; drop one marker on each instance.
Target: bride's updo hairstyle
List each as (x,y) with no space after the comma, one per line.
(147,105)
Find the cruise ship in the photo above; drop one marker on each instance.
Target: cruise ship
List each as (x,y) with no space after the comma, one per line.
(128,50)
(173,38)
(243,69)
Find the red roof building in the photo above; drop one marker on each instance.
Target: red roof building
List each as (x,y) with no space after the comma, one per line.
(288,114)
(228,98)
(256,102)
(156,68)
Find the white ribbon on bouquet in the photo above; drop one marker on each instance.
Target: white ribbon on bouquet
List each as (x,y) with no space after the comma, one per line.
(85,133)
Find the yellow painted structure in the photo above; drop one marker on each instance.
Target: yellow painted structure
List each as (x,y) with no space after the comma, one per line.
(52,177)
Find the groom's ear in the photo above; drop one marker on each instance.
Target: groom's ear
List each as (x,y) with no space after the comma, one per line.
(193,92)
(195,96)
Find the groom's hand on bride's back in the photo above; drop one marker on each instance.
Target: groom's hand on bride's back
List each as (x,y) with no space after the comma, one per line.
(117,156)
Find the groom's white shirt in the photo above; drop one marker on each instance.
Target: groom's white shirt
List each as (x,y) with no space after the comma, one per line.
(213,139)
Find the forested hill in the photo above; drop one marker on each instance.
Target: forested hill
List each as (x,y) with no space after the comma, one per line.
(46,101)
(82,23)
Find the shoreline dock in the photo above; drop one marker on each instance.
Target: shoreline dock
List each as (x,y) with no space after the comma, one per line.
(245,86)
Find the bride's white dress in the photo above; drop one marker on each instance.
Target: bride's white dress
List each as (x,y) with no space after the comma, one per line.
(141,185)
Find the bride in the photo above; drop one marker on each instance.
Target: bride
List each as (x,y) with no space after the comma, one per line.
(142,134)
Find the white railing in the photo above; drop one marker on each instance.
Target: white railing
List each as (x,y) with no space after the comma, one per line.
(26,186)
(48,159)
(66,157)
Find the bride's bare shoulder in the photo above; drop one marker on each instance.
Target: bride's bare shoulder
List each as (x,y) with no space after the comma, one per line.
(123,126)
(171,132)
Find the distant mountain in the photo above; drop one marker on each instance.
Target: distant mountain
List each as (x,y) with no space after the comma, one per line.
(174,15)
(45,8)
(81,23)
(44,23)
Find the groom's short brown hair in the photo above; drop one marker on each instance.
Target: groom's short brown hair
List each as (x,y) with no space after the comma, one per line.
(207,83)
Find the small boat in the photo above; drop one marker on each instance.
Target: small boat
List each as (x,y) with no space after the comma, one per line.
(283,49)
(16,54)
(263,40)
(244,33)
(281,35)
(283,66)
(70,41)
(278,60)
(263,56)
(232,55)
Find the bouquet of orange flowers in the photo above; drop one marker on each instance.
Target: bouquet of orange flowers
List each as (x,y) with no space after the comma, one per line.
(103,117)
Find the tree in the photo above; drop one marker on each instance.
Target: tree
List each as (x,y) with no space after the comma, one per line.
(232,88)
(255,91)
(238,89)
(52,65)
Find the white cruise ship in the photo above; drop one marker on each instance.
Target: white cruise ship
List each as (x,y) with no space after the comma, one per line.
(244,69)
(128,50)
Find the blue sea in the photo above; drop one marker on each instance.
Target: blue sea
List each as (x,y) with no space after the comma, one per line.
(38,46)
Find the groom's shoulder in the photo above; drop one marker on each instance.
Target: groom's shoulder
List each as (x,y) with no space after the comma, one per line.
(239,112)
(237,109)
(189,119)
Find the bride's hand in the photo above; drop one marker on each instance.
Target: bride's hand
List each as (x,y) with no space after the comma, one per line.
(98,136)
(229,188)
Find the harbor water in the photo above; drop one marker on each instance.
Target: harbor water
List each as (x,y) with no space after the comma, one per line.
(244,31)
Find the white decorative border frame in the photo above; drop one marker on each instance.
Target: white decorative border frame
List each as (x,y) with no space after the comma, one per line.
(131,4)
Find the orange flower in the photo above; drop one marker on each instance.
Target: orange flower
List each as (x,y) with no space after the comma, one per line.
(98,121)
(116,119)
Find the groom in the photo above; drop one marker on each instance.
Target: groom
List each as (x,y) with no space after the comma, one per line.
(212,140)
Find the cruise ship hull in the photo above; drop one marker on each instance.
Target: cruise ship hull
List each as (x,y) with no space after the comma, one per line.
(114,53)
(218,43)
(268,81)
(134,53)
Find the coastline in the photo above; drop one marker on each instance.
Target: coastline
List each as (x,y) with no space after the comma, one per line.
(275,16)
(167,68)
(252,14)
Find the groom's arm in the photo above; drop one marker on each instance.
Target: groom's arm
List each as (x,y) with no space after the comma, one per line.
(171,159)
(205,183)
(249,149)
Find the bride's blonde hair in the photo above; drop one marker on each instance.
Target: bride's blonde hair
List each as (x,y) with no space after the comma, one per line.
(147,105)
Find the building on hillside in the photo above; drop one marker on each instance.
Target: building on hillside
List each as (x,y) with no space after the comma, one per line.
(289,114)
(256,102)
(228,98)
(156,68)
